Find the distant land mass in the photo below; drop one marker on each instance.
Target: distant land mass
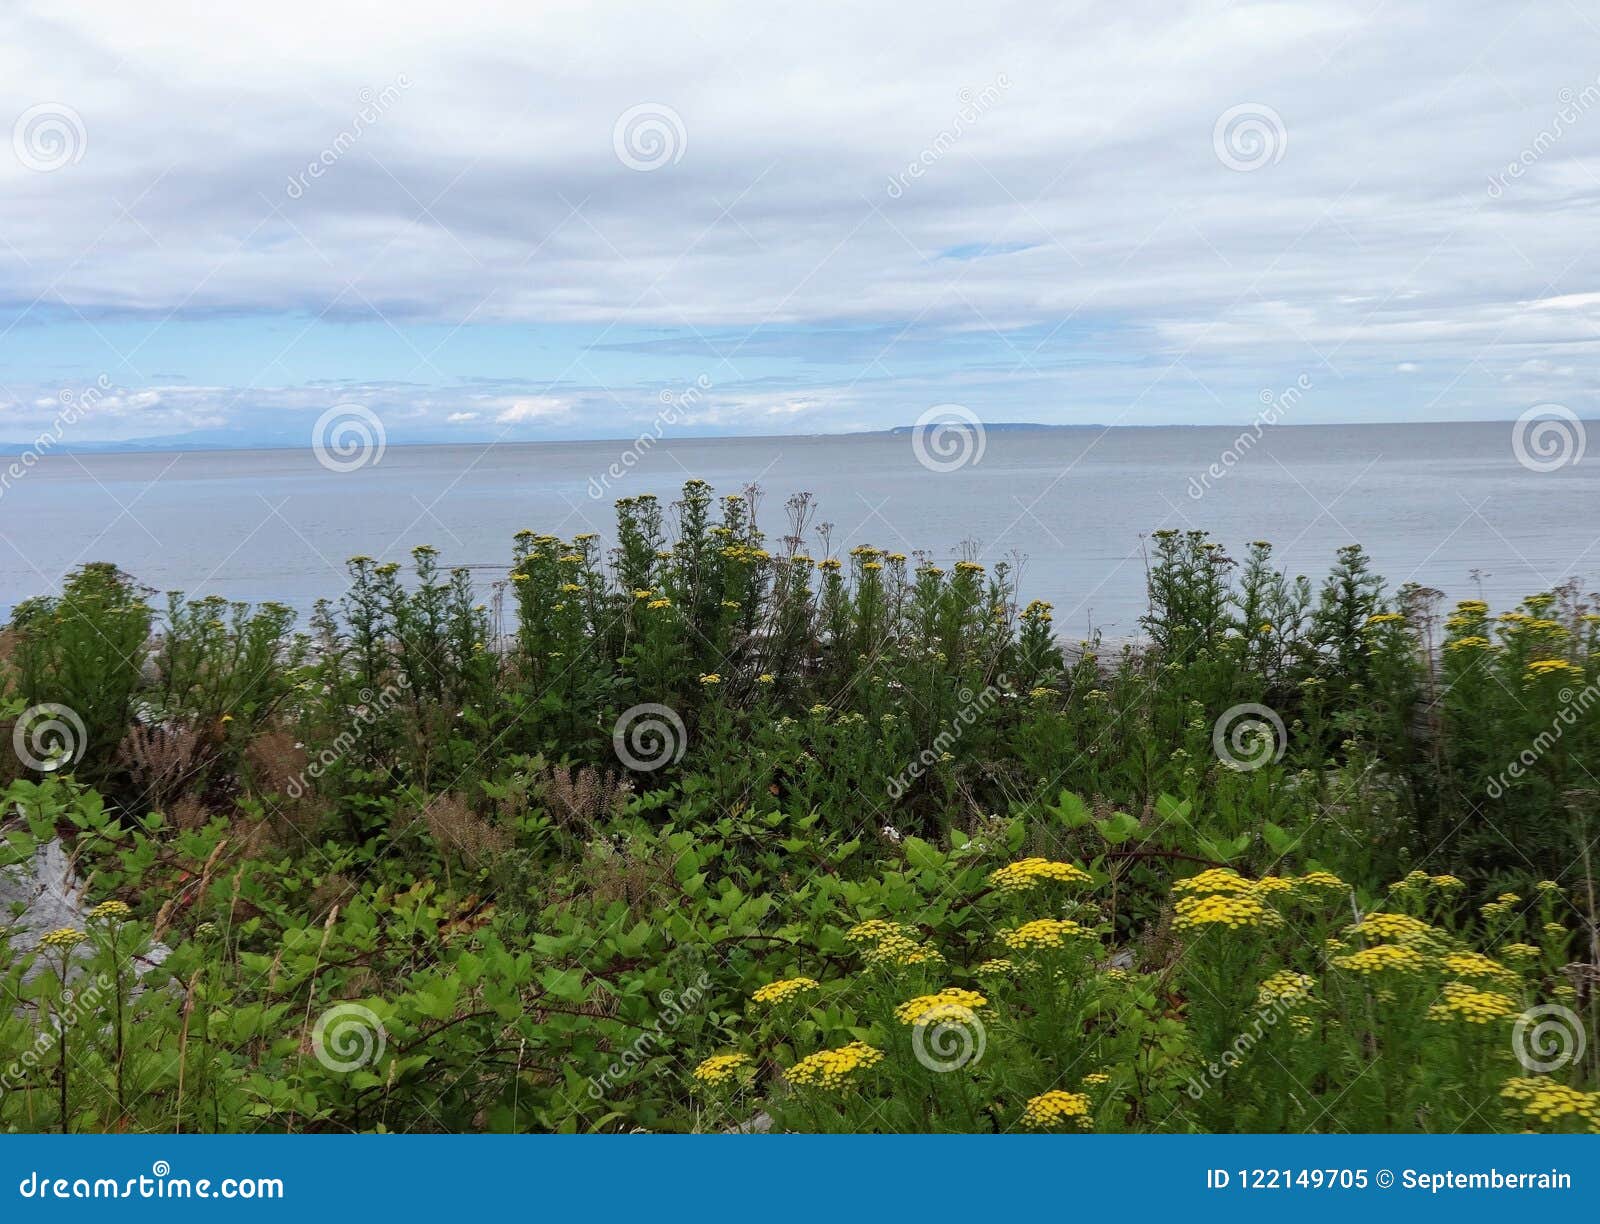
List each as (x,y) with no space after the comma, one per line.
(299,439)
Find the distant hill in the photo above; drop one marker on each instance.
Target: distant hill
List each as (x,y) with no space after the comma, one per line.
(988,428)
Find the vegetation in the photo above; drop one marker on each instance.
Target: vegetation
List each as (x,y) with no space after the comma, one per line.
(703,833)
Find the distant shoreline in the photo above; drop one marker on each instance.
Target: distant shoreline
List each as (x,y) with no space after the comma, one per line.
(170,446)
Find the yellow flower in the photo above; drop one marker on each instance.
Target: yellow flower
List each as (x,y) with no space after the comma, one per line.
(1472,642)
(64,938)
(1096,1079)
(1386,618)
(1284,986)
(720,1067)
(1030,872)
(1052,1109)
(1267,885)
(111,911)
(783,991)
(1217,910)
(1463,1002)
(570,587)
(1323,880)
(831,1069)
(710,678)
(1521,951)
(1540,668)
(764,678)
(1546,1101)
(951,1003)
(1382,958)
(1476,965)
(657,604)
(998,967)
(1213,880)
(1044,933)
(875,929)
(900,950)
(1391,926)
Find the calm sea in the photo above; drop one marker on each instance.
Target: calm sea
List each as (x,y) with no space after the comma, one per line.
(1449,506)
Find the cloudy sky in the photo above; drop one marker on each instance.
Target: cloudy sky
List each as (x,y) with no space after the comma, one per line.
(540,221)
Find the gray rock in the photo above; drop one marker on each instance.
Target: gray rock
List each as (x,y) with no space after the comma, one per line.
(45,894)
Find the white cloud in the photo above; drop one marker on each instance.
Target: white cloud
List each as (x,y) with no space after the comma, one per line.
(487,190)
(543,408)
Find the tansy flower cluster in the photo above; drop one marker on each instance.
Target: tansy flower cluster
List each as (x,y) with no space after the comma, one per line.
(1044,933)
(1053,1109)
(1547,1101)
(1218,910)
(875,929)
(1382,958)
(1324,880)
(1213,880)
(901,950)
(1391,926)
(783,991)
(63,938)
(1540,668)
(951,1003)
(1031,872)
(831,1069)
(721,1067)
(1420,883)
(1472,965)
(111,911)
(1285,986)
(1463,1002)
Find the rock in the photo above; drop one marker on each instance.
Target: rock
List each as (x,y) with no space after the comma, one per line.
(45,894)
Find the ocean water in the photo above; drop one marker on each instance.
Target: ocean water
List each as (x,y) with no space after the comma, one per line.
(1447,505)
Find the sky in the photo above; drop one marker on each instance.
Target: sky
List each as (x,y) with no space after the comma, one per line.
(524,221)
